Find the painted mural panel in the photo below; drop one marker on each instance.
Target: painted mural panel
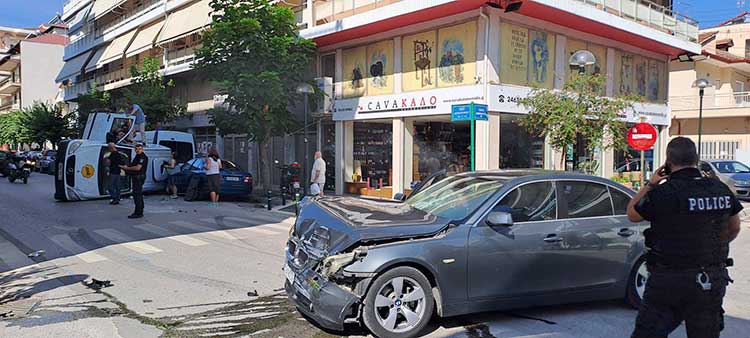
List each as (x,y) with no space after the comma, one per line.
(641,65)
(572,47)
(355,71)
(419,61)
(380,68)
(652,93)
(457,55)
(514,54)
(663,79)
(541,59)
(600,53)
(624,73)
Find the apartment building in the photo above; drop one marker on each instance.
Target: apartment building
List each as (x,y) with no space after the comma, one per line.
(9,77)
(397,67)
(725,64)
(107,37)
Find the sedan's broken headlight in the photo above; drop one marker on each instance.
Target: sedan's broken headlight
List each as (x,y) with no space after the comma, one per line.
(333,264)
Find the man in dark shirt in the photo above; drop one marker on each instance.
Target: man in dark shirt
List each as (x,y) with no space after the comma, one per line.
(114,160)
(137,172)
(693,219)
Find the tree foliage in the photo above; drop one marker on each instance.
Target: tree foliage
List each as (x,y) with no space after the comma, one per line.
(578,110)
(91,102)
(151,91)
(254,57)
(38,124)
(12,130)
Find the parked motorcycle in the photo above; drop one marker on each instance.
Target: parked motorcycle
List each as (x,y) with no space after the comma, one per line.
(290,180)
(20,169)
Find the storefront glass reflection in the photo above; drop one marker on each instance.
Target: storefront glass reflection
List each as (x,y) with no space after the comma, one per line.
(518,147)
(373,153)
(440,145)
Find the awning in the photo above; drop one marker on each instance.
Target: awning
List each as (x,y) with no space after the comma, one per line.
(9,63)
(116,49)
(73,67)
(79,19)
(185,21)
(102,7)
(144,40)
(93,63)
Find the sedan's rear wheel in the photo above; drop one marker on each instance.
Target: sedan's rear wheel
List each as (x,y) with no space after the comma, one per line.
(637,283)
(399,304)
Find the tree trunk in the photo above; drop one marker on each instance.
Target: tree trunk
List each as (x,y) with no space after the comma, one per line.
(266,167)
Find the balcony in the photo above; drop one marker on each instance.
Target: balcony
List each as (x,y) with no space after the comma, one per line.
(9,86)
(6,107)
(326,11)
(650,14)
(718,105)
(130,14)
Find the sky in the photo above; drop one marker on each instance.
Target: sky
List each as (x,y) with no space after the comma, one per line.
(709,12)
(28,13)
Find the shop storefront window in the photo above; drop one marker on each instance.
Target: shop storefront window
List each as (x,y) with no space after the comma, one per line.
(518,147)
(373,153)
(440,145)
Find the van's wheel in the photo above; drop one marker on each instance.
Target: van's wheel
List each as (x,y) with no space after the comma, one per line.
(399,304)
(637,283)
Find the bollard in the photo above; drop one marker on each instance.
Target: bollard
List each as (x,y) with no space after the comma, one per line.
(283,197)
(296,204)
(268,198)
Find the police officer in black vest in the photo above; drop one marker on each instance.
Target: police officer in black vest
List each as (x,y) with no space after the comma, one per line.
(137,172)
(693,219)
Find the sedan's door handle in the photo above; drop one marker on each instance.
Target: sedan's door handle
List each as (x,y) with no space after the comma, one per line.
(626,232)
(553,238)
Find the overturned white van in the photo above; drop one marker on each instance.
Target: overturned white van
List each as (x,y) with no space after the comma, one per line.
(80,168)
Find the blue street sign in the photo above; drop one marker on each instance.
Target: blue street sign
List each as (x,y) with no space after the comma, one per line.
(480,112)
(460,112)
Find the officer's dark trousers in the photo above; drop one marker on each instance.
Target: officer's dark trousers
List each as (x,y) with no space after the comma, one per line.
(137,184)
(674,296)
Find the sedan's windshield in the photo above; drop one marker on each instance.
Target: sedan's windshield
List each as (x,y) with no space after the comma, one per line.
(456,197)
(731,167)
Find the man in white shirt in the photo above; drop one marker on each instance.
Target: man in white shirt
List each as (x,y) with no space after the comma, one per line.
(318,175)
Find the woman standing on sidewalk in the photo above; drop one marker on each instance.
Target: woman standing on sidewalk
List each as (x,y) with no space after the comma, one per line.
(213,176)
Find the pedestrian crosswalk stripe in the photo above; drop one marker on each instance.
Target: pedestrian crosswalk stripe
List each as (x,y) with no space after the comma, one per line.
(266,229)
(126,242)
(249,232)
(203,229)
(67,243)
(282,227)
(184,239)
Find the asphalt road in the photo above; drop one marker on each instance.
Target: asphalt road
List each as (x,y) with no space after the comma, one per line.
(187,270)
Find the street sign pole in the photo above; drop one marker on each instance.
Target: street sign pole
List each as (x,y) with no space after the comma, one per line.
(471,120)
(643,159)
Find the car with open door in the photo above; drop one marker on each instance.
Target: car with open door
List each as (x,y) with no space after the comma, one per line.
(466,243)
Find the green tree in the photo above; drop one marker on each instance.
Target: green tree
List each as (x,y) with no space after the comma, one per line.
(255,58)
(46,122)
(151,91)
(578,110)
(91,102)
(12,131)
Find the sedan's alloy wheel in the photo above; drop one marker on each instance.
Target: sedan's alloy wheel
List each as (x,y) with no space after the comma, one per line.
(400,305)
(641,277)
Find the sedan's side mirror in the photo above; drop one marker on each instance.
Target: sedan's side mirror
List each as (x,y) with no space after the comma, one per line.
(497,218)
(399,197)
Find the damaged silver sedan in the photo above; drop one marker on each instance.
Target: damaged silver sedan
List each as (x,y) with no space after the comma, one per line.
(471,242)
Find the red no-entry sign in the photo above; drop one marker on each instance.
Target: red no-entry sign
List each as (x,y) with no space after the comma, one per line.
(642,136)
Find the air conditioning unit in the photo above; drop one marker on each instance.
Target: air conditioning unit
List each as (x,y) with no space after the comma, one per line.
(325,84)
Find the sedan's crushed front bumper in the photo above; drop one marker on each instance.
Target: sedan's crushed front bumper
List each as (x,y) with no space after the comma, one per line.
(326,303)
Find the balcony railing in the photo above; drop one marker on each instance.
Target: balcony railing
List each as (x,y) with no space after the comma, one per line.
(718,101)
(145,7)
(650,14)
(181,56)
(330,10)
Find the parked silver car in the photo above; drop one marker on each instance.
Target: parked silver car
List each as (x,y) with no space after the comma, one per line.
(733,173)
(471,242)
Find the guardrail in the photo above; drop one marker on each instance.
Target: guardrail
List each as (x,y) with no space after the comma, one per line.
(717,101)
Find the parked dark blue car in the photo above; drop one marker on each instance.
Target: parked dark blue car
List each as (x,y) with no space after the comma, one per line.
(234,181)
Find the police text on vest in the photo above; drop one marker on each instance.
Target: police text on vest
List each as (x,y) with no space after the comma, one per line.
(710,203)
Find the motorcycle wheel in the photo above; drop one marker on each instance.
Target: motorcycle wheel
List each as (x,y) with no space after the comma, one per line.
(25,180)
(11,179)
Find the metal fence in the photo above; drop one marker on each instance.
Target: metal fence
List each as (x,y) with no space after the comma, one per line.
(719,150)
